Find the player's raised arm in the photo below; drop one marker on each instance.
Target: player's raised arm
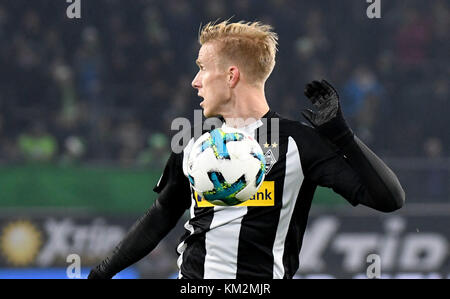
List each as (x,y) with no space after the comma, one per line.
(380,188)
(150,229)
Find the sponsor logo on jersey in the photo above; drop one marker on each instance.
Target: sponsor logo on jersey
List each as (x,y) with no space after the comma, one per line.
(264,197)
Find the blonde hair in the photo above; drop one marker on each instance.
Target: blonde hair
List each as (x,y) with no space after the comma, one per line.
(252,46)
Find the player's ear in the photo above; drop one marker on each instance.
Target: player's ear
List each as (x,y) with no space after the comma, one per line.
(233,76)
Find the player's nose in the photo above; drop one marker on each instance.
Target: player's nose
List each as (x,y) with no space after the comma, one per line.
(196,82)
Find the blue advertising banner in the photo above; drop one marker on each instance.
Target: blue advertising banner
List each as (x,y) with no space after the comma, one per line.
(338,243)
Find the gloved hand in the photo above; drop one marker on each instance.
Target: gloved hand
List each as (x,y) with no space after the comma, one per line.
(328,120)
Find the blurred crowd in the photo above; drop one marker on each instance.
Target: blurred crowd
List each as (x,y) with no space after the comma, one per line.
(106,87)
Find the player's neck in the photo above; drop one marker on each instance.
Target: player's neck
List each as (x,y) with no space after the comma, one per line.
(247,105)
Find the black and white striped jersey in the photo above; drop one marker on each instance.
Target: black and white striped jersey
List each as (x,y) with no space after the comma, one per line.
(262,237)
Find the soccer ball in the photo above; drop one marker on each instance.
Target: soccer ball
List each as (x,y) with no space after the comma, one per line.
(226,166)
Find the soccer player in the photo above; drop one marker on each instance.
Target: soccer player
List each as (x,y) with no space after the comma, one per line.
(235,60)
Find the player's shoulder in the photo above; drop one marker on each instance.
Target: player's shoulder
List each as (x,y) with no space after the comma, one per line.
(295,126)
(306,137)
(304,134)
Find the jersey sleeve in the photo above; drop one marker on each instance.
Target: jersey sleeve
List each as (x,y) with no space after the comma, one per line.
(325,167)
(173,187)
(173,199)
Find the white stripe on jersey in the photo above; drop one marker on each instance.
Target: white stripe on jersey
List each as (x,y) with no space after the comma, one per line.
(293,180)
(186,152)
(182,246)
(222,241)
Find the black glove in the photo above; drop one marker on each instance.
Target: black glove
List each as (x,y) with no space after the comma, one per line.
(328,120)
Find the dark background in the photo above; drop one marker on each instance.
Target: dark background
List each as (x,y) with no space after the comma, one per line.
(86,104)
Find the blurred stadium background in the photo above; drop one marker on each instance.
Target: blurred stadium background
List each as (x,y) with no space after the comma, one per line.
(86,107)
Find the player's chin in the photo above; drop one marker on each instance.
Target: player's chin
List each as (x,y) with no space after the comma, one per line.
(207,112)
(204,107)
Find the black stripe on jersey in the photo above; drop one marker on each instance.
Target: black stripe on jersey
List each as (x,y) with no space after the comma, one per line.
(193,267)
(193,259)
(255,259)
(294,237)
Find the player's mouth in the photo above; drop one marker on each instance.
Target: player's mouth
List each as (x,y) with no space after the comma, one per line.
(203,100)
